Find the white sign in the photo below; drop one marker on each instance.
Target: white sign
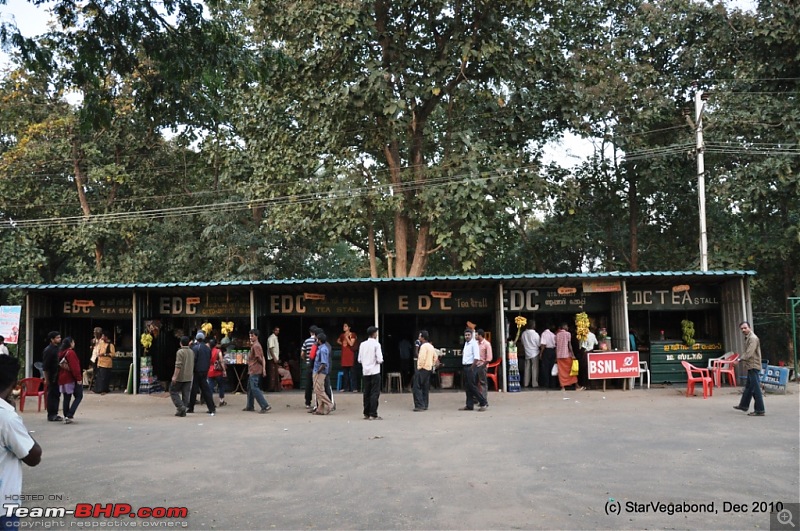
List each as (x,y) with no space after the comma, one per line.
(9,323)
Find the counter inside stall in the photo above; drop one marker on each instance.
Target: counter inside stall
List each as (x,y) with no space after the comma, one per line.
(450,371)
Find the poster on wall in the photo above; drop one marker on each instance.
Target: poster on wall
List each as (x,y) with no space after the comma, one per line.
(9,323)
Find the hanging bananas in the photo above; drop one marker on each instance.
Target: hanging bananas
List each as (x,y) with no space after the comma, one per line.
(582,325)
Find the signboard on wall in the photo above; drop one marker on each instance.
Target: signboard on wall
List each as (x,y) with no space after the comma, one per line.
(437,302)
(217,305)
(669,298)
(9,323)
(97,307)
(605,365)
(313,304)
(554,301)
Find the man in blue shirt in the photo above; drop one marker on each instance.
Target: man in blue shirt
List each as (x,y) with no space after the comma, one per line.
(322,364)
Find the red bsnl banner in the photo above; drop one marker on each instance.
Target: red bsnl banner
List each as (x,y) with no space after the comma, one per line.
(605,365)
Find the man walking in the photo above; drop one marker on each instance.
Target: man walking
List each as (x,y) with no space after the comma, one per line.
(257,369)
(469,354)
(751,362)
(426,361)
(181,384)
(370,357)
(202,361)
(322,364)
(530,345)
(50,369)
(305,352)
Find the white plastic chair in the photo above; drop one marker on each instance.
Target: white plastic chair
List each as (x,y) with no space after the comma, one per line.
(642,370)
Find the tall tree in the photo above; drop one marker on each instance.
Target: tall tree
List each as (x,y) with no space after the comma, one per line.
(414,126)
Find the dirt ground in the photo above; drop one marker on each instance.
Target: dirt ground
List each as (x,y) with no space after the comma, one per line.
(534,460)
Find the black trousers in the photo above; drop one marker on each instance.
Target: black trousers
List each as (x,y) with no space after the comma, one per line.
(421,386)
(548,360)
(471,387)
(53,398)
(200,381)
(372,393)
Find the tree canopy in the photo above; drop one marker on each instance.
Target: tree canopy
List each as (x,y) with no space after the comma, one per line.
(287,139)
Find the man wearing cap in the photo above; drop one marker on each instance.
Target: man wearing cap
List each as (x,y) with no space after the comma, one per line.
(181,384)
(370,357)
(202,361)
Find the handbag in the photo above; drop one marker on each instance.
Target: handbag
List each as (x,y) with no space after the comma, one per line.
(63,363)
(554,371)
(574,369)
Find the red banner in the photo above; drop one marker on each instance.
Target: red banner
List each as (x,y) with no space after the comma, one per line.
(604,365)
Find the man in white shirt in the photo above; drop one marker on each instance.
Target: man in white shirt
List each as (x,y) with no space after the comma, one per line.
(16,444)
(530,345)
(587,345)
(370,356)
(470,355)
(3,347)
(273,361)
(547,351)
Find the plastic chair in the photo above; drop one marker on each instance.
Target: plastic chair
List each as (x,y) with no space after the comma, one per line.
(39,367)
(491,373)
(287,384)
(695,375)
(30,387)
(394,377)
(726,366)
(643,369)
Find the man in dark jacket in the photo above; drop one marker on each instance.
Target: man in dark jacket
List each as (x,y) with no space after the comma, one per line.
(202,361)
(50,368)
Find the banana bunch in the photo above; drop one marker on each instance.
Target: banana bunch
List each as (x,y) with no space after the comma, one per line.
(226,328)
(687,327)
(207,328)
(146,340)
(582,325)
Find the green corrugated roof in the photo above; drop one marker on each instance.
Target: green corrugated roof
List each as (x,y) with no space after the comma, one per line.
(610,275)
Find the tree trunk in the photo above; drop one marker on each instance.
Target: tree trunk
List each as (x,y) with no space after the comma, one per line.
(80,185)
(633,216)
(373,264)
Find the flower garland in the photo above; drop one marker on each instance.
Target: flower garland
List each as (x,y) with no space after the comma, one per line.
(147,341)
(521,322)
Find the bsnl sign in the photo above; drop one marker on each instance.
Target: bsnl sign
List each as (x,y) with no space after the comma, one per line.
(605,365)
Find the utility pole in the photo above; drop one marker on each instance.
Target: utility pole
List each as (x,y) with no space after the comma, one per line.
(699,102)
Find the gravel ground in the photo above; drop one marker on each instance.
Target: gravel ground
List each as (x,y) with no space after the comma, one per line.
(533,460)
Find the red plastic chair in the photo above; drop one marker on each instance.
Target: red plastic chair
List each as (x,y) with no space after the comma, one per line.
(30,387)
(695,375)
(726,366)
(287,384)
(491,372)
